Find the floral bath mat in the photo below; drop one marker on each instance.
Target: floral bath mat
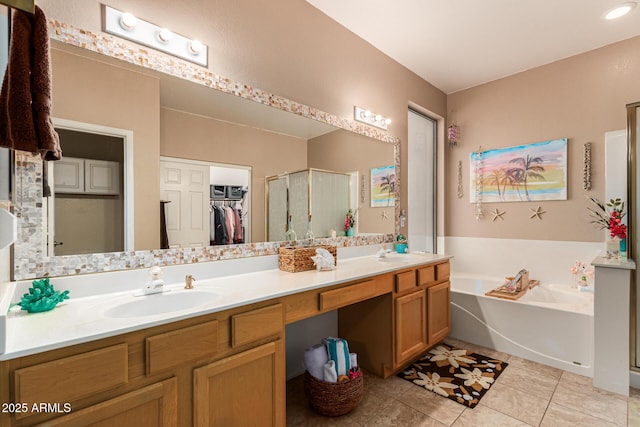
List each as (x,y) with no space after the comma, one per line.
(455,373)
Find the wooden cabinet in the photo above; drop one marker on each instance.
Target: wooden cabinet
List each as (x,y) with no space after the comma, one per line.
(411,325)
(438,312)
(86,176)
(225,368)
(246,389)
(388,332)
(153,405)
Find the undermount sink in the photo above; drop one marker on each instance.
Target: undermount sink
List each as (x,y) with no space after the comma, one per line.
(165,302)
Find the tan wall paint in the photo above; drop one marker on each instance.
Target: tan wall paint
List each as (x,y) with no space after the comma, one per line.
(287,47)
(189,136)
(343,151)
(92,92)
(579,98)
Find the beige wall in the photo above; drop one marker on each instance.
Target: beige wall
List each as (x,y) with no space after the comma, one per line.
(579,98)
(189,136)
(287,47)
(93,92)
(343,151)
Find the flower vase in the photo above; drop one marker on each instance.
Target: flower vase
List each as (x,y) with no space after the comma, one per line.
(623,248)
(613,247)
(350,232)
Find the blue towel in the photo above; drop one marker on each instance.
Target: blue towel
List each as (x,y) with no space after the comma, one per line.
(338,350)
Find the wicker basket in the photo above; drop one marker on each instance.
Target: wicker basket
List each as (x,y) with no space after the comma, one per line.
(297,259)
(333,399)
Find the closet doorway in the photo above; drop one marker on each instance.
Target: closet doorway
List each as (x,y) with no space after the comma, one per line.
(421,182)
(205,203)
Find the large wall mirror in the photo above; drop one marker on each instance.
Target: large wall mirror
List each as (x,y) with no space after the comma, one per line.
(130,119)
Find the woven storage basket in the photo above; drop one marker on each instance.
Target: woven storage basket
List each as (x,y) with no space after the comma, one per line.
(298,259)
(333,399)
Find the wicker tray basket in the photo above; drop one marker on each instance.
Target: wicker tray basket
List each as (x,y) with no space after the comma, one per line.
(333,399)
(297,259)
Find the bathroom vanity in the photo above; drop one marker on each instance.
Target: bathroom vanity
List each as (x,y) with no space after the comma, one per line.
(224,363)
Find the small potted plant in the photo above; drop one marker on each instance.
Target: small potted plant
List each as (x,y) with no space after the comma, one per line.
(401,244)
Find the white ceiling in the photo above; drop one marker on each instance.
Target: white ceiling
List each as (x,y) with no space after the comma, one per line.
(458,44)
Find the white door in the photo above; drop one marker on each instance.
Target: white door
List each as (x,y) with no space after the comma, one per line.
(186,186)
(421,171)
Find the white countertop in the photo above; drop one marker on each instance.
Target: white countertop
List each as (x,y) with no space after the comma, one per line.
(85,319)
(621,263)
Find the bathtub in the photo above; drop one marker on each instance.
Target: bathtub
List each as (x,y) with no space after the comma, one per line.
(550,324)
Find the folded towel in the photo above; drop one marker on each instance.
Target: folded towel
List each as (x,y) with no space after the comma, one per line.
(330,375)
(353,360)
(314,360)
(338,350)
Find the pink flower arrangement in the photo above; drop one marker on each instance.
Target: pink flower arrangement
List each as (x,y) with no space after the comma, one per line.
(349,220)
(609,217)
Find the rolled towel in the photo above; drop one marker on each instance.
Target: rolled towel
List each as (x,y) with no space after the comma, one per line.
(315,358)
(353,359)
(338,350)
(329,370)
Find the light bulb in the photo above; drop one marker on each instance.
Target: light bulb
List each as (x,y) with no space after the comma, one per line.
(387,121)
(367,113)
(164,35)
(128,21)
(195,47)
(378,118)
(620,11)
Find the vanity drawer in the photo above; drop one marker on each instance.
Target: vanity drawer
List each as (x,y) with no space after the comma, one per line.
(257,324)
(71,378)
(405,281)
(164,351)
(331,300)
(442,271)
(426,275)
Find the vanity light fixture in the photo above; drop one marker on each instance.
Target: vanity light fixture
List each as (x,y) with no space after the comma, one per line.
(127,26)
(128,21)
(164,35)
(620,10)
(366,116)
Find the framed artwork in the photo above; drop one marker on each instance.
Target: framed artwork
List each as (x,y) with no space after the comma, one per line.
(522,173)
(383,186)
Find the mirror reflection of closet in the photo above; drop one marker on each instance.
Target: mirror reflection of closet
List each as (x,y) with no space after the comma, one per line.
(204,203)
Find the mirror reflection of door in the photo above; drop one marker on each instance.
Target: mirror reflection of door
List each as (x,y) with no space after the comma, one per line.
(86,203)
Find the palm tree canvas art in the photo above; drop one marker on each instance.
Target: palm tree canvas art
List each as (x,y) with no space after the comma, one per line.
(524,173)
(383,186)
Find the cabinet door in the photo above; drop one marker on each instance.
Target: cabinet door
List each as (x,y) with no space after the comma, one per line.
(68,175)
(438,309)
(246,389)
(153,405)
(101,177)
(411,325)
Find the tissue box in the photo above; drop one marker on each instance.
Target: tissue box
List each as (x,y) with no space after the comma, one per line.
(295,259)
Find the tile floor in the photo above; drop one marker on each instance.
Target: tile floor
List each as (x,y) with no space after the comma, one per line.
(526,394)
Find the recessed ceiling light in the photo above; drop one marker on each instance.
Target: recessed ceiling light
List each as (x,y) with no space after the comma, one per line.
(620,10)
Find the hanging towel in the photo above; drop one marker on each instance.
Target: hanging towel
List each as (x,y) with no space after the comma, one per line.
(25,98)
(330,375)
(315,358)
(338,351)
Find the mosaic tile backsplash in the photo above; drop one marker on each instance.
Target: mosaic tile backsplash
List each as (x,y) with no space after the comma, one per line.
(29,256)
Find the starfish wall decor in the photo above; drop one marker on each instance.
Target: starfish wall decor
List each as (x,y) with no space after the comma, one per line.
(536,213)
(497,214)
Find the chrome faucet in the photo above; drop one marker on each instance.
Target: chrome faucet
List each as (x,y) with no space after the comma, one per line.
(188,281)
